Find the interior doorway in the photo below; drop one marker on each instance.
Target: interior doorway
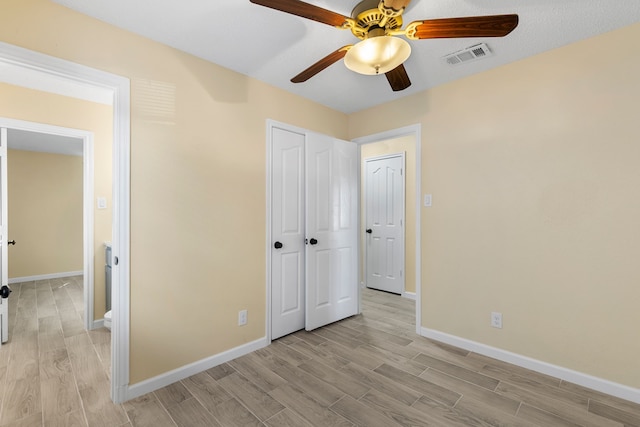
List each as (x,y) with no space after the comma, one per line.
(26,68)
(408,140)
(42,138)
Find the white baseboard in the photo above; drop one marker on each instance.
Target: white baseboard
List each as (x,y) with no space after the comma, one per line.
(171,377)
(45,277)
(97,324)
(409,295)
(585,380)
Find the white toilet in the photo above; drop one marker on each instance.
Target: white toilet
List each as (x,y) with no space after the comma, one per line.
(107,320)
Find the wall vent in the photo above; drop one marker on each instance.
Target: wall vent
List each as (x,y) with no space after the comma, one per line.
(469,54)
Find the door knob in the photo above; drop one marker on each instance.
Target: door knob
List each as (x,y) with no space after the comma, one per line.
(5,291)
(11,242)
(369,231)
(313,241)
(278,245)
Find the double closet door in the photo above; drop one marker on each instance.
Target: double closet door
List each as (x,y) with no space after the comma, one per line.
(314,220)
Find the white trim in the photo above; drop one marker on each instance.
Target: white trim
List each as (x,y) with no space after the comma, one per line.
(33,79)
(120,244)
(416,131)
(45,277)
(186,371)
(119,86)
(4,239)
(585,380)
(269,158)
(97,324)
(409,295)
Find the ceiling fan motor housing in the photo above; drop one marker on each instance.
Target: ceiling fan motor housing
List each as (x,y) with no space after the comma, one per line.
(370,14)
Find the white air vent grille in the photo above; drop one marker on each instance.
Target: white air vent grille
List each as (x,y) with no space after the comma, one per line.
(469,54)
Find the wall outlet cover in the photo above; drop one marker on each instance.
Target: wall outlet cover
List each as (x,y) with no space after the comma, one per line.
(242,317)
(496,320)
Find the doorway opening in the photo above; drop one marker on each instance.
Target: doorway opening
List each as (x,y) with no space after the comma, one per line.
(25,68)
(409,139)
(42,138)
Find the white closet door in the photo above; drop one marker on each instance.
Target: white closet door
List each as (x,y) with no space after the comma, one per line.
(332,281)
(287,230)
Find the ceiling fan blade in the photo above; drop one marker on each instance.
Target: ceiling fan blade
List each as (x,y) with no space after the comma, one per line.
(398,78)
(328,60)
(472,26)
(304,10)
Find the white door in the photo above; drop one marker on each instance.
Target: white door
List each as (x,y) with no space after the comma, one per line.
(332,284)
(384,224)
(4,274)
(288,232)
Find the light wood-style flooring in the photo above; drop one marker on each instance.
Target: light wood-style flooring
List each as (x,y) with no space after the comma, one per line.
(369,370)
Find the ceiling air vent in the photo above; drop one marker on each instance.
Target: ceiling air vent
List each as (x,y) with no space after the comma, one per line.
(469,54)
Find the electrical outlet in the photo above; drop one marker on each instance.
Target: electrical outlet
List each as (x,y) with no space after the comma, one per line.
(242,317)
(496,320)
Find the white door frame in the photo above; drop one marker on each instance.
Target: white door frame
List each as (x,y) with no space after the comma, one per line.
(66,74)
(415,131)
(365,251)
(87,201)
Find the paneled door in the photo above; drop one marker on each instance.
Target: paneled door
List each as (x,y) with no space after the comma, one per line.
(288,231)
(332,233)
(313,230)
(4,274)
(384,212)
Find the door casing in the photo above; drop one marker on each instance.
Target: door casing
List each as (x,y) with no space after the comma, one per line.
(64,75)
(416,132)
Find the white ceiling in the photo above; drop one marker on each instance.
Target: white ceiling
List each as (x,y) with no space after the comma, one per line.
(273,46)
(46,143)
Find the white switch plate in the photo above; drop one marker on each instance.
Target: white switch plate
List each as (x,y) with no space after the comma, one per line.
(102,203)
(427,200)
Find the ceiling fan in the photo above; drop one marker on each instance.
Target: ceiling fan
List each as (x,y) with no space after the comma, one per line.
(377,23)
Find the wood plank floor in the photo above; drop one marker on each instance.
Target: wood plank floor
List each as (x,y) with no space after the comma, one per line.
(368,370)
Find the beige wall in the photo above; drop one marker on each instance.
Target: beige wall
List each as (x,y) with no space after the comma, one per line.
(197,182)
(407,145)
(534,173)
(45,213)
(40,107)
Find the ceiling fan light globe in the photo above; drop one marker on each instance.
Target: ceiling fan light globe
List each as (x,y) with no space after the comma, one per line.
(377,55)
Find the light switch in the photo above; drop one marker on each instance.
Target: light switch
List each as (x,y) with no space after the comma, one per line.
(102,203)
(427,200)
